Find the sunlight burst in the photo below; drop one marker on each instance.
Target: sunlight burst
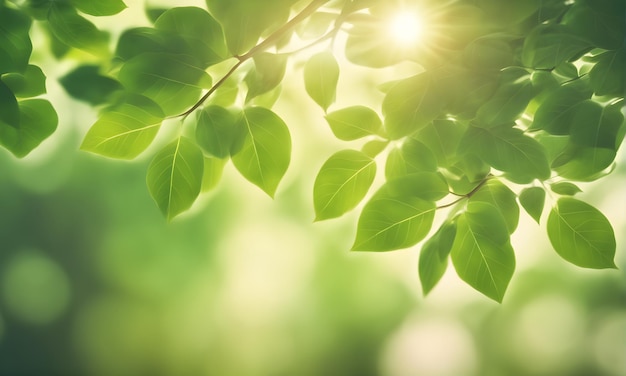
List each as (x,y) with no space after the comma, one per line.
(405,28)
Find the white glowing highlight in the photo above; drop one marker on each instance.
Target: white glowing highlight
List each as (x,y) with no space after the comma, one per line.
(405,28)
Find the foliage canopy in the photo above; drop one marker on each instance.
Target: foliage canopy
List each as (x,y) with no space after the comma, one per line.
(508,106)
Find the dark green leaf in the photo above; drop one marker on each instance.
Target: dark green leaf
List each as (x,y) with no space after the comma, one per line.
(216,130)
(498,195)
(199,29)
(547,46)
(583,163)
(15,45)
(99,7)
(565,188)
(556,112)
(482,254)
(433,260)
(509,150)
(29,84)
(268,72)
(607,75)
(162,77)
(266,150)
(390,222)
(125,130)
(140,40)
(581,234)
(354,122)
(76,31)
(509,101)
(38,120)
(532,200)
(9,109)
(87,84)
(342,182)
(411,104)
(321,74)
(600,21)
(174,176)
(492,52)
(596,126)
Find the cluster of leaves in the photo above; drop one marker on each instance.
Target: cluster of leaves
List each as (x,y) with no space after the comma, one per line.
(512,103)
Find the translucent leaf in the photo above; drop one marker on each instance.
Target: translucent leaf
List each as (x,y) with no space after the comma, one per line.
(429,186)
(492,52)
(125,130)
(390,222)
(433,260)
(213,169)
(99,7)
(413,156)
(510,150)
(15,44)
(442,137)
(216,130)
(549,45)
(556,112)
(199,29)
(266,149)
(498,195)
(374,147)
(29,84)
(321,74)
(583,163)
(565,188)
(174,176)
(76,31)
(86,83)
(482,254)
(162,77)
(342,182)
(607,75)
(581,234)
(532,200)
(316,25)
(596,126)
(9,109)
(354,122)
(509,101)
(411,104)
(141,40)
(268,72)
(38,120)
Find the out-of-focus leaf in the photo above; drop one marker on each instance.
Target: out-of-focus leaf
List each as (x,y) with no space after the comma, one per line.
(15,44)
(216,131)
(600,21)
(532,200)
(266,149)
(87,84)
(99,7)
(125,130)
(38,120)
(174,176)
(29,84)
(354,122)
(433,260)
(442,137)
(581,234)
(342,182)
(321,74)
(213,169)
(268,72)
(565,188)
(75,30)
(607,75)
(9,109)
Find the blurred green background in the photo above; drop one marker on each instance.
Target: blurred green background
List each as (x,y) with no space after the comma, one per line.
(93,281)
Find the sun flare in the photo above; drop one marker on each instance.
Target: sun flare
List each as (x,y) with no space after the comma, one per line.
(405,28)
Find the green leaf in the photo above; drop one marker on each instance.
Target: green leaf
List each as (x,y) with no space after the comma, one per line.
(565,188)
(85,83)
(213,169)
(15,44)
(607,75)
(411,104)
(342,182)
(9,109)
(216,131)
(38,120)
(509,150)
(581,234)
(509,101)
(498,195)
(140,40)
(413,156)
(99,7)
(390,222)
(491,52)
(174,176)
(374,147)
(354,122)
(162,77)
(596,126)
(583,163)
(532,200)
(125,130)
(600,21)
(429,186)
(75,30)
(199,29)
(442,137)
(266,150)
(269,70)
(556,112)
(482,254)
(321,74)
(29,84)
(316,25)
(547,46)
(433,260)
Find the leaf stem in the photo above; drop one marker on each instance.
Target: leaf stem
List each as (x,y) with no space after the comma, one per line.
(467,195)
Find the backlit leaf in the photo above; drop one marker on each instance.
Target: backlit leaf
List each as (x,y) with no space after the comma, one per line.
(413,156)
(75,30)
(354,122)
(321,74)
(99,7)
(213,169)
(509,101)
(268,72)
(498,195)
(433,260)
(532,200)
(15,44)
(547,46)
(342,182)
(216,130)
(607,75)
(556,112)
(581,234)
(29,84)
(174,176)
(38,120)
(565,188)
